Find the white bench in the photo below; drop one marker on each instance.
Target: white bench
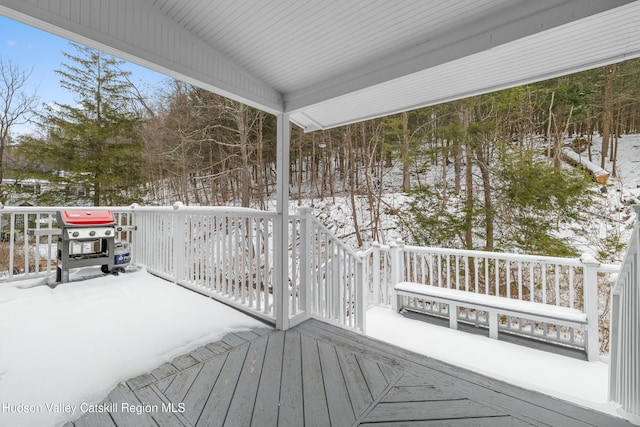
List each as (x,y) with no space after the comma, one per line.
(493,305)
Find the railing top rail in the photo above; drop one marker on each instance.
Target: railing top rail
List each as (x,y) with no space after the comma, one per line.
(50,209)
(200,210)
(574,262)
(339,242)
(220,210)
(495,255)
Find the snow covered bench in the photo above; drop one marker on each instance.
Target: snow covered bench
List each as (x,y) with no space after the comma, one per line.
(493,305)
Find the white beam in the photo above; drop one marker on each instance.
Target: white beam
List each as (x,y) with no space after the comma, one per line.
(523,19)
(281,232)
(138,32)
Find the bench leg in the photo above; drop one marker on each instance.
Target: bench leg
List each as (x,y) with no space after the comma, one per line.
(396,302)
(493,324)
(453,316)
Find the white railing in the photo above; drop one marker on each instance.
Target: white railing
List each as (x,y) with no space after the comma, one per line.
(624,363)
(222,252)
(329,274)
(567,282)
(226,253)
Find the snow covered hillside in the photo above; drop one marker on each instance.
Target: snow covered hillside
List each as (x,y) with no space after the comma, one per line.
(603,232)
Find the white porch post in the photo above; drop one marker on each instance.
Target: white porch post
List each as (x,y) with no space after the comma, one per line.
(591,305)
(281,226)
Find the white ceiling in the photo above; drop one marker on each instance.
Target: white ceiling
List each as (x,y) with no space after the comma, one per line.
(332,62)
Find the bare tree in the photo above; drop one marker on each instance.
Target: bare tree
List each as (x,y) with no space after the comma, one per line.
(16,105)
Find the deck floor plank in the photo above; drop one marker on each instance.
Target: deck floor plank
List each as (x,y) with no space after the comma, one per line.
(163,384)
(268,396)
(199,392)
(247,335)
(126,403)
(202,353)
(218,347)
(316,374)
(357,387)
(372,373)
(338,401)
(140,381)
(163,415)
(291,404)
(180,384)
(418,393)
(241,407)
(316,412)
(430,410)
(466,422)
(164,371)
(217,406)
(233,340)
(94,419)
(184,361)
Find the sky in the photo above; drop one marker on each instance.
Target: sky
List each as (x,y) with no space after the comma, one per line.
(36,51)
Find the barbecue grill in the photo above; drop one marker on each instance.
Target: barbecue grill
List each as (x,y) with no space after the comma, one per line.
(86,238)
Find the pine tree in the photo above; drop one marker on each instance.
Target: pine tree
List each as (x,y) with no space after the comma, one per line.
(94,144)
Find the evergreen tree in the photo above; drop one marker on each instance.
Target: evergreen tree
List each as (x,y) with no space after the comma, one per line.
(537,199)
(94,146)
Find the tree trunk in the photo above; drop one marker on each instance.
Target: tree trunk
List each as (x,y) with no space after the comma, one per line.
(607,110)
(243,133)
(406,182)
(468,169)
(352,186)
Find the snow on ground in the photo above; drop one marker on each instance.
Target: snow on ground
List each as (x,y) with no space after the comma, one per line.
(73,344)
(577,381)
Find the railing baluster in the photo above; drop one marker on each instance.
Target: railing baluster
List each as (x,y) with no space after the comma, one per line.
(557,284)
(508,278)
(543,267)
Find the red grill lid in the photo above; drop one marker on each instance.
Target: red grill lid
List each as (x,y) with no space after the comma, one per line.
(84,218)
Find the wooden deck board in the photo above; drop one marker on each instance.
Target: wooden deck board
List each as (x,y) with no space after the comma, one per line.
(215,410)
(202,353)
(372,373)
(163,413)
(466,422)
(355,382)
(95,419)
(199,392)
(316,412)
(180,384)
(267,403)
(291,410)
(126,403)
(164,371)
(233,340)
(430,410)
(319,375)
(241,407)
(338,401)
(183,362)
(418,393)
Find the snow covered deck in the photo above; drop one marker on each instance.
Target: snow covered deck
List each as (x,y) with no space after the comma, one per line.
(318,374)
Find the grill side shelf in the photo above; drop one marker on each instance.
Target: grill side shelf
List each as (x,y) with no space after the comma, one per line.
(44,231)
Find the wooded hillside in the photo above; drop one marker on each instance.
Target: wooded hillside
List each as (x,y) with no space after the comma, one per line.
(485,172)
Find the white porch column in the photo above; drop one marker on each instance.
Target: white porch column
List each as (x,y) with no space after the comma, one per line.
(281,231)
